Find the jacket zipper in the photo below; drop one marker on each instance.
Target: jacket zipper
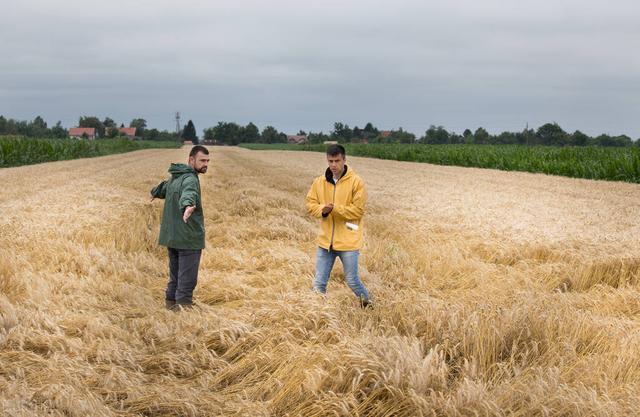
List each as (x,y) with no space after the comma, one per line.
(333,221)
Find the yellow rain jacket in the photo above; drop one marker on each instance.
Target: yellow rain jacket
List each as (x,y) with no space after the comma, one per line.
(341,229)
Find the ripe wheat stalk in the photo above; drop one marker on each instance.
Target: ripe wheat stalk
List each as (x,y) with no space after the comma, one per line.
(497,294)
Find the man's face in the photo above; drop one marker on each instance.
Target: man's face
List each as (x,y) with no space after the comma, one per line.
(336,164)
(199,162)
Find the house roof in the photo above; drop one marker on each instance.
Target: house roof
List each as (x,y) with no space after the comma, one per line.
(79,131)
(385,133)
(129,131)
(296,138)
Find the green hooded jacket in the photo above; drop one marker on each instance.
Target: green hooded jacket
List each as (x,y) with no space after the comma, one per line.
(180,191)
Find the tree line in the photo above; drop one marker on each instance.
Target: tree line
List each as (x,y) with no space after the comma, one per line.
(106,128)
(549,134)
(36,128)
(109,128)
(230,133)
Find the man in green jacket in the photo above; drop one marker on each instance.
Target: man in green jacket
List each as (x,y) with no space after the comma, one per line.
(182,228)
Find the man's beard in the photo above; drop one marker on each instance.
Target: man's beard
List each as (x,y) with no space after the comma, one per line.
(202,170)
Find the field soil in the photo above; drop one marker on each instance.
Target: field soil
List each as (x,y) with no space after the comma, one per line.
(496,293)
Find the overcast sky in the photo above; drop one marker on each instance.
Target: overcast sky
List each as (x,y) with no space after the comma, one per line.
(306,64)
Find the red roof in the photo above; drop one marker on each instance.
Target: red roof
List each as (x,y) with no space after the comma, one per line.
(129,131)
(385,133)
(79,131)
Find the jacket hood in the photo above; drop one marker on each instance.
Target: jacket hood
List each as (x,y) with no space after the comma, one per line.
(329,175)
(177,170)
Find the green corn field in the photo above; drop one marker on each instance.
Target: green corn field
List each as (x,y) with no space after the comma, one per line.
(599,163)
(16,151)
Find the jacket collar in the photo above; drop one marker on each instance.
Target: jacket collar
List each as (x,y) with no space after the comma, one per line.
(329,175)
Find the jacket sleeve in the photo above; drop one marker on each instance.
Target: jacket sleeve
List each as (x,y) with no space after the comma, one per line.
(314,207)
(355,210)
(160,190)
(189,192)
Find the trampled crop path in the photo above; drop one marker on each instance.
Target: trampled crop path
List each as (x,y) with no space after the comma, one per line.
(497,293)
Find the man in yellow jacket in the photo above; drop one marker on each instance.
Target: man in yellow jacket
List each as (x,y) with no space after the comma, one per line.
(337,198)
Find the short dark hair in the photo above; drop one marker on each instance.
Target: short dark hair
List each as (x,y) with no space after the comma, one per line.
(198,148)
(335,150)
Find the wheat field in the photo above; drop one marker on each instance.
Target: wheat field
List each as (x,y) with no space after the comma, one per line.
(497,294)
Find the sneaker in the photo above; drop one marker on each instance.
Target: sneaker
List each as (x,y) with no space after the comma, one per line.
(183,306)
(169,304)
(366,303)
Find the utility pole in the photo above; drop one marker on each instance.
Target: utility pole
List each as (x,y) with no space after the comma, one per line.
(178,124)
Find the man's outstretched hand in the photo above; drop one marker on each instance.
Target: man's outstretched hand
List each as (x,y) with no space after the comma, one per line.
(187,213)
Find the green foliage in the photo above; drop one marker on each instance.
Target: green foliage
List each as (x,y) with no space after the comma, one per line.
(250,134)
(341,132)
(579,139)
(112,133)
(436,135)
(481,136)
(92,121)
(271,135)
(189,132)
(402,136)
(224,132)
(157,135)
(613,164)
(229,133)
(108,122)
(15,151)
(606,140)
(140,125)
(552,134)
(58,131)
(36,127)
(318,137)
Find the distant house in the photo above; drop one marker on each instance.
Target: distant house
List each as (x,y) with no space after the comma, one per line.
(187,142)
(129,132)
(386,133)
(80,132)
(297,139)
(330,142)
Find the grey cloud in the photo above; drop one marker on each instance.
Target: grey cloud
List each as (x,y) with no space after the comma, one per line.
(303,65)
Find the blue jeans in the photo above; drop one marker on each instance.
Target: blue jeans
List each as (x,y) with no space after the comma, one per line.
(324,263)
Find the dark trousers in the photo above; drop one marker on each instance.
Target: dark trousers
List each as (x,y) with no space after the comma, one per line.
(183,275)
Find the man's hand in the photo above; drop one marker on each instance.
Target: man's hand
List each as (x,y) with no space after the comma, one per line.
(187,213)
(327,209)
